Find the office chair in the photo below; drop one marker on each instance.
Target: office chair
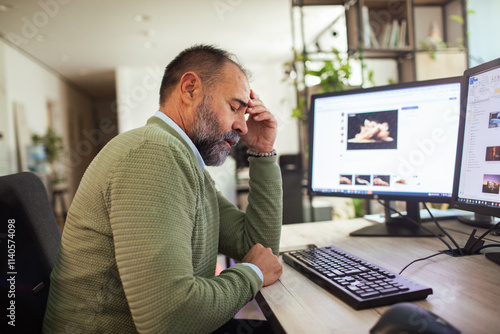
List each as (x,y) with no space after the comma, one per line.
(26,218)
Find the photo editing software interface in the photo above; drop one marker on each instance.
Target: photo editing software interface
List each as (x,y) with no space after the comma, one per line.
(396,141)
(479,181)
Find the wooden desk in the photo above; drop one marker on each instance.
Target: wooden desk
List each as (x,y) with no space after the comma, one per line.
(466,289)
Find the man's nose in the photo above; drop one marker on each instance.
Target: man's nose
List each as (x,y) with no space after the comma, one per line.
(240,125)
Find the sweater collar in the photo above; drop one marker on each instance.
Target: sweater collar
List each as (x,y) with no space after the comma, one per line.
(184,136)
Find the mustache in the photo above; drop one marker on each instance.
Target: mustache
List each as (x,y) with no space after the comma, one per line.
(233,137)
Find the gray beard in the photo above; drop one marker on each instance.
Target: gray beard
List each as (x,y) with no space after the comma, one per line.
(207,138)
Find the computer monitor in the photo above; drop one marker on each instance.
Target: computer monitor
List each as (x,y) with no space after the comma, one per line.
(477,173)
(395,142)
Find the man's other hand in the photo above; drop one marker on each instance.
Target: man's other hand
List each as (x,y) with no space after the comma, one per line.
(266,261)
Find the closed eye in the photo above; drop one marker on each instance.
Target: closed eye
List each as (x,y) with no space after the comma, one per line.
(240,104)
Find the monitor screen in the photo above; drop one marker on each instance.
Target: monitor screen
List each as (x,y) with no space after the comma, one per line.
(395,142)
(477,185)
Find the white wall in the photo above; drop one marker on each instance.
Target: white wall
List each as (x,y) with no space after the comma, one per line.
(6,157)
(137,91)
(483,33)
(29,84)
(137,95)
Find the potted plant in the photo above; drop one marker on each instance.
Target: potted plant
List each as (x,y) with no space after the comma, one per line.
(53,147)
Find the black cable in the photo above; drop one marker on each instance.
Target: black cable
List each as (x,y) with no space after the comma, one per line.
(443,252)
(487,246)
(484,234)
(417,224)
(424,258)
(459,249)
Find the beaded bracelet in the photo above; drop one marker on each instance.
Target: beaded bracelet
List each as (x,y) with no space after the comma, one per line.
(260,154)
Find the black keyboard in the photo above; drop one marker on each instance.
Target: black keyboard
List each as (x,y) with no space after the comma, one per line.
(357,282)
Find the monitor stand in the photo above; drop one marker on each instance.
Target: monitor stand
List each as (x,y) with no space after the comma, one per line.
(495,257)
(399,226)
(478,220)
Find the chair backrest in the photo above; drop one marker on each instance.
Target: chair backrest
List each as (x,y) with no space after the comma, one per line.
(30,241)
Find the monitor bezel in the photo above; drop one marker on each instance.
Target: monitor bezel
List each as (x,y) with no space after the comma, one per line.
(393,197)
(480,209)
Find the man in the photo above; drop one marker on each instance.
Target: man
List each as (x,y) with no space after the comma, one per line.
(139,247)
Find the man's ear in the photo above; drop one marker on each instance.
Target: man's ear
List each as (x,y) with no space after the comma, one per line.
(190,86)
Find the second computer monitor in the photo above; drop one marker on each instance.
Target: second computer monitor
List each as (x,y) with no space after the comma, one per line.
(395,142)
(477,184)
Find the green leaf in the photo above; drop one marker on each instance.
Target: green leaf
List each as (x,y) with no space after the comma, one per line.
(296,113)
(457,18)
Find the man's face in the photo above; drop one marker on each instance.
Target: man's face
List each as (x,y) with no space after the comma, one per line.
(209,137)
(220,116)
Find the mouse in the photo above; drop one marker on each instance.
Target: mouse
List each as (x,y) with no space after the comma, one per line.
(409,318)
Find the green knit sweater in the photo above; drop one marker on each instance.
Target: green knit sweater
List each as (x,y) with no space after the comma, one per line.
(140,244)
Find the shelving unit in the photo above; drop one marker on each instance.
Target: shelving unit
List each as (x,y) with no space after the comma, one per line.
(366,22)
(390,29)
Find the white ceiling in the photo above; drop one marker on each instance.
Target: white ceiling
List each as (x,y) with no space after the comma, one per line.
(85,40)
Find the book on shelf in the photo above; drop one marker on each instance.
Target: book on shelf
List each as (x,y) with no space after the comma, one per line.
(393,35)
(393,40)
(369,39)
(366,27)
(402,34)
(386,35)
(373,39)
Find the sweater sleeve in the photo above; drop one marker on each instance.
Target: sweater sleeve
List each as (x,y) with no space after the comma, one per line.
(153,205)
(261,223)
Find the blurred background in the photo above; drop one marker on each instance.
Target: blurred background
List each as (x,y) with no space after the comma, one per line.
(75,73)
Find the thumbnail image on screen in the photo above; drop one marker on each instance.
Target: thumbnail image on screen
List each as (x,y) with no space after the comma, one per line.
(345,179)
(493,153)
(494,120)
(382,180)
(372,130)
(362,180)
(491,183)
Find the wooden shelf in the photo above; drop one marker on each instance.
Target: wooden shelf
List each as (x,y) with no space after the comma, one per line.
(384,53)
(299,3)
(392,6)
(431,2)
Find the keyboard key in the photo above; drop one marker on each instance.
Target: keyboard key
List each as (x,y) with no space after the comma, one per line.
(389,290)
(370,294)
